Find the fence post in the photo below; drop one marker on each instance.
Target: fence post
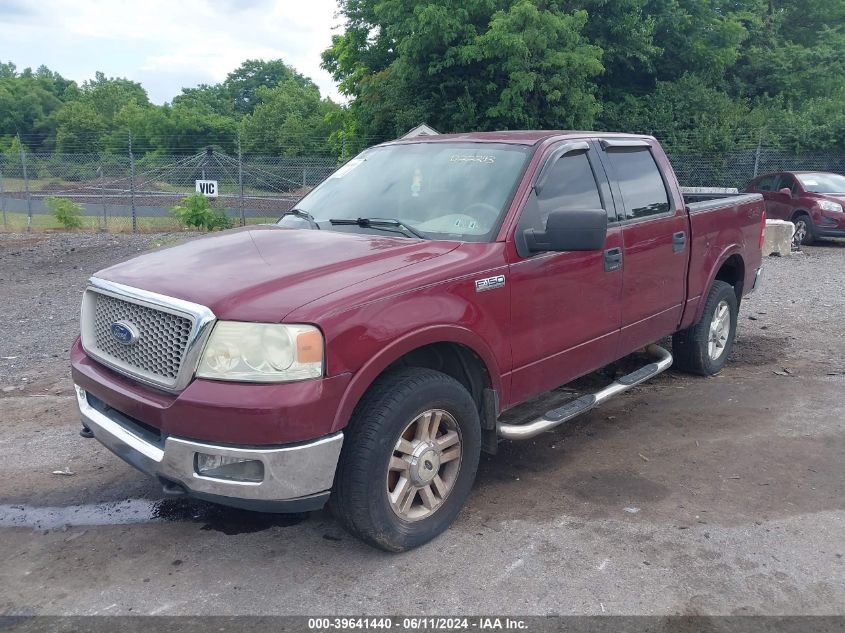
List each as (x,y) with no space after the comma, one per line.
(132,185)
(26,187)
(757,156)
(103,195)
(3,198)
(241,179)
(304,178)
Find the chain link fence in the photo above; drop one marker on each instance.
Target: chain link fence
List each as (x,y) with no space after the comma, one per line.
(128,193)
(736,168)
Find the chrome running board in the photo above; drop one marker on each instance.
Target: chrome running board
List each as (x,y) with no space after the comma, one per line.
(555,417)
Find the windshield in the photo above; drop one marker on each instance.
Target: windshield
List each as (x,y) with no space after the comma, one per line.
(440,190)
(822,183)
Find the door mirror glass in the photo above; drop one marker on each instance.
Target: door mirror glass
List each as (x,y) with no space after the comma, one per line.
(570,230)
(785,191)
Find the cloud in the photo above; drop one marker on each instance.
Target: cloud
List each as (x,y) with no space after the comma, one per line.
(168,45)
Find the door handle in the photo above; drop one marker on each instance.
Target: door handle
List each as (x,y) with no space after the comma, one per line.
(679,241)
(612,259)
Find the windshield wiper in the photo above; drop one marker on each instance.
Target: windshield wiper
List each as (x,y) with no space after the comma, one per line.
(299,213)
(378,223)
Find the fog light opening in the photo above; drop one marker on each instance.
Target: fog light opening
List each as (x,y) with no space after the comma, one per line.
(229,468)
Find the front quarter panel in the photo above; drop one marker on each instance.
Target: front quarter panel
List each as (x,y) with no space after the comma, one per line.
(368,328)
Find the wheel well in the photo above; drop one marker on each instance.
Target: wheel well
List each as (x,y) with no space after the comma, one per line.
(733,273)
(455,360)
(799,212)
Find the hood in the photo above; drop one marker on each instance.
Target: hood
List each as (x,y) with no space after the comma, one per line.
(262,273)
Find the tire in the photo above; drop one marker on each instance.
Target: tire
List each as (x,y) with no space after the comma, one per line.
(393,411)
(805,232)
(701,350)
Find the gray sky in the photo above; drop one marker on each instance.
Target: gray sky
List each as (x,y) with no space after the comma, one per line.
(166,45)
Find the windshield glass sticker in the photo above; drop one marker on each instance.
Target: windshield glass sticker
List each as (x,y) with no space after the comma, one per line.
(466,223)
(352,164)
(486,159)
(416,183)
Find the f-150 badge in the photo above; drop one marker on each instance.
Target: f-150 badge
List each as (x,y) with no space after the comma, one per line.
(490,283)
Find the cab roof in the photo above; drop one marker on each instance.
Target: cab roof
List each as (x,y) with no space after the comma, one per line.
(516,137)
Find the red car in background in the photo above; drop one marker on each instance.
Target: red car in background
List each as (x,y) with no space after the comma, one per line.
(811,200)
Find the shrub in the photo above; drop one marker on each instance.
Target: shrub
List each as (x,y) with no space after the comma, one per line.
(67,212)
(195,210)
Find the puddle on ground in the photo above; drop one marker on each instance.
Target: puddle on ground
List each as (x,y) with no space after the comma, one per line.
(212,517)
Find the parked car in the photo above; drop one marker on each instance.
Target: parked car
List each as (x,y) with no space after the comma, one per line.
(811,200)
(361,350)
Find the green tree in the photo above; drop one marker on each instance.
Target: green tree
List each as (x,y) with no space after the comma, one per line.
(290,120)
(28,104)
(479,64)
(242,85)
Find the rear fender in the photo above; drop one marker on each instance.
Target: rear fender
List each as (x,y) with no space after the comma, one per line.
(729,251)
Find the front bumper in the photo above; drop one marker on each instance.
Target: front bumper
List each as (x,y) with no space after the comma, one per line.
(296,477)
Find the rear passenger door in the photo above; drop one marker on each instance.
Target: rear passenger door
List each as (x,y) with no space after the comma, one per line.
(655,238)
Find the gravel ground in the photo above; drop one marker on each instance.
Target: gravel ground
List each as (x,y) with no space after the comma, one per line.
(42,276)
(685,496)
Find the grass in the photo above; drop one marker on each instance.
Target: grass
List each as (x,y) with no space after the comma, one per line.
(17,222)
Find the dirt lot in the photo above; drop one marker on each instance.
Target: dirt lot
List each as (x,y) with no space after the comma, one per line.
(686,496)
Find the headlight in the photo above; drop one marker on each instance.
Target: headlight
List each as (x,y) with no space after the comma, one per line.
(827,205)
(262,352)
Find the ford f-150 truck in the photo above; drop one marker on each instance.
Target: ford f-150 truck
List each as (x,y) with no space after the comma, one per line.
(361,350)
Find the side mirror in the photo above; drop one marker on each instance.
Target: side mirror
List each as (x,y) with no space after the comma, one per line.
(785,191)
(570,230)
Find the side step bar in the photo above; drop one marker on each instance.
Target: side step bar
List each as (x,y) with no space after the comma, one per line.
(555,417)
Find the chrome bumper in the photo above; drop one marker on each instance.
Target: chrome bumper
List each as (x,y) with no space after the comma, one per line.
(296,477)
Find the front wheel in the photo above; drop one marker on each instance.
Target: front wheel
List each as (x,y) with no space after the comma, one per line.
(804,230)
(704,347)
(409,459)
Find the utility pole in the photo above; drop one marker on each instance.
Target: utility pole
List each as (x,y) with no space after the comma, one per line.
(132,185)
(26,187)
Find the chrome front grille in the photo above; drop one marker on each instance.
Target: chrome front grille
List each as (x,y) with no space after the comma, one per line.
(163,336)
(167,333)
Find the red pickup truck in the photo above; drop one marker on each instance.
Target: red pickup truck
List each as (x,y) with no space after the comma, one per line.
(361,350)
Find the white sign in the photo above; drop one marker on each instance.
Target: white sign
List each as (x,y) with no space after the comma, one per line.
(208,188)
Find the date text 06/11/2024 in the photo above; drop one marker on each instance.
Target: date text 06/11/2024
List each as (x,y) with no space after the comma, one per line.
(418,623)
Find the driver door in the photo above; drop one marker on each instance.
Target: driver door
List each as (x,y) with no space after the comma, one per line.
(565,306)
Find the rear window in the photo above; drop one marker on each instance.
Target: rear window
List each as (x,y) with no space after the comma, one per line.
(640,181)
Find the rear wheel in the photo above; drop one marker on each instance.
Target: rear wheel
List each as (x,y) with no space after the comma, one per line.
(409,459)
(804,230)
(704,347)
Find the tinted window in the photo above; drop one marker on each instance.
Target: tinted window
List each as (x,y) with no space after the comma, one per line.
(766,183)
(640,182)
(570,185)
(787,182)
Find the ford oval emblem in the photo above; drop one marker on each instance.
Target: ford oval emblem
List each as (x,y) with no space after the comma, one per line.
(125,332)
